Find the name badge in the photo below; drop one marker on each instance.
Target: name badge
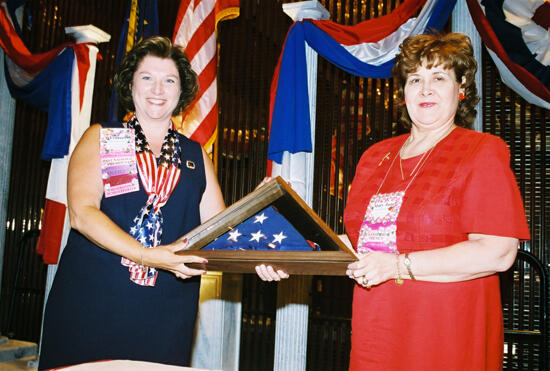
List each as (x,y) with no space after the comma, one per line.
(118,161)
(379,228)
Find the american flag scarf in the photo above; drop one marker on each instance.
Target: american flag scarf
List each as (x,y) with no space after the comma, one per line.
(159,177)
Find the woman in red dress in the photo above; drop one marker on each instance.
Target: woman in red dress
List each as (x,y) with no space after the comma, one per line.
(434,214)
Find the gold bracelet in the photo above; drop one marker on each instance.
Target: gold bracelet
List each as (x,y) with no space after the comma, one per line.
(408,264)
(399,279)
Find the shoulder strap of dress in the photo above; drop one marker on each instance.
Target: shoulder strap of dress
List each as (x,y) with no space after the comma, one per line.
(111,124)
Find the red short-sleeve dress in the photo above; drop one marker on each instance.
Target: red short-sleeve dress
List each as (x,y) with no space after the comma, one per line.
(465,186)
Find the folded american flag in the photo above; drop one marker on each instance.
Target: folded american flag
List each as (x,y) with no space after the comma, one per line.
(267,230)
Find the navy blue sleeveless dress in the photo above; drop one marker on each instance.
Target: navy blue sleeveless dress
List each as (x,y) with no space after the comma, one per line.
(94,312)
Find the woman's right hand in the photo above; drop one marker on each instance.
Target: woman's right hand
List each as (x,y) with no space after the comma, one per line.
(268,273)
(265,180)
(373,268)
(165,257)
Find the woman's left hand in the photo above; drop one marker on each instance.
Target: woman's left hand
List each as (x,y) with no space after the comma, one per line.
(268,273)
(373,269)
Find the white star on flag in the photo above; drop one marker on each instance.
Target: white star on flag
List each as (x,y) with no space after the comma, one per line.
(256,236)
(234,235)
(278,237)
(133,230)
(149,225)
(143,240)
(260,218)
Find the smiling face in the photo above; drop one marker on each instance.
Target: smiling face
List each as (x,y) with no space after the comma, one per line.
(431,96)
(155,88)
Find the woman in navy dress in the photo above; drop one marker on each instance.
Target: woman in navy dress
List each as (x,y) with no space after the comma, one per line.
(120,291)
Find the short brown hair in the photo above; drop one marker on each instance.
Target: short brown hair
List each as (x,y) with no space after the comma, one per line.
(450,51)
(161,47)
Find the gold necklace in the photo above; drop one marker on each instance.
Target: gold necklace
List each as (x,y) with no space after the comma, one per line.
(413,171)
(415,167)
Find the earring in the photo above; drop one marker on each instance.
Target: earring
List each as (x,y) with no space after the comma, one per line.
(461,96)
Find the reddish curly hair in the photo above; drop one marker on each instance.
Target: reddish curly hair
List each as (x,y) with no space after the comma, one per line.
(450,51)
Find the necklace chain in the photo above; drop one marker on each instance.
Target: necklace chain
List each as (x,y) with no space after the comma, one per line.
(424,154)
(418,166)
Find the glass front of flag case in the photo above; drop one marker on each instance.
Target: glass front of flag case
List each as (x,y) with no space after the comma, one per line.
(274,226)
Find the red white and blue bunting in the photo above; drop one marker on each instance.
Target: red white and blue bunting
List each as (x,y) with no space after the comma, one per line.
(44,81)
(533,19)
(516,36)
(366,49)
(515,32)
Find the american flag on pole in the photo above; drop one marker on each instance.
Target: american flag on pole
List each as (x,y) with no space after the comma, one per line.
(195,30)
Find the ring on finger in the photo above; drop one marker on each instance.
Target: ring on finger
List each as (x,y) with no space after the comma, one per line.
(364,281)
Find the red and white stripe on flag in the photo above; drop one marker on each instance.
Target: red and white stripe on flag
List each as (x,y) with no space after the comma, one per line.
(55,221)
(195,30)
